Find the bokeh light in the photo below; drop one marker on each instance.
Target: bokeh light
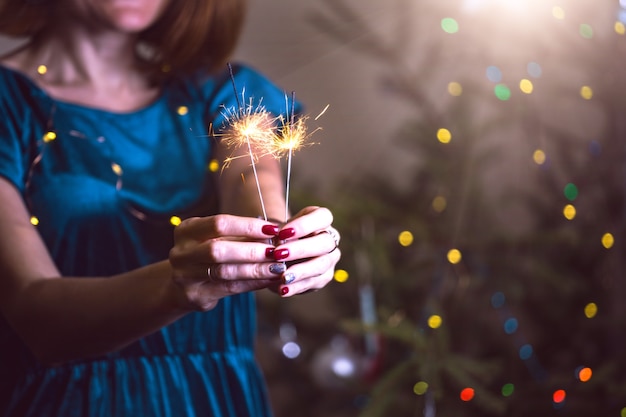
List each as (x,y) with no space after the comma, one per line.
(455,89)
(525,352)
(34,220)
(539,157)
(569,211)
(619,28)
(586,92)
(510,325)
(586,31)
(175,221)
(584,374)
(494,74)
(507,389)
(449,25)
(49,136)
(341,275)
(182,110)
(591,310)
(444,135)
(502,92)
(526,86)
(420,388)
(497,300)
(608,240)
(439,203)
(435,321)
(467,394)
(405,238)
(454,256)
(559,396)
(42,69)
(558,12)
(570,191)
(534,69)
(214,165)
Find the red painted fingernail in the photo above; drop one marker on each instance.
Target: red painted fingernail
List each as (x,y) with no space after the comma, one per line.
(286,233)
(270,229)
(269,253)
(284,290)
(281,253)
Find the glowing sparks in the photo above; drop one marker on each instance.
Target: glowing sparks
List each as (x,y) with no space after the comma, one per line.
(264,134)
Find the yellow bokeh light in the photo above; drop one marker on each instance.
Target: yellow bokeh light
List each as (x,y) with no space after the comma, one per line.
(526,86)
(182,110)
(569,211)
(405,238)
(444,135)
(34,220)
(539,157)
(434,321)
(620,28)
(341,275)
(49,136)
(175,220)
(439,203)
(586,92)
(591,310)
(214,165)
(42,69)
(454,256)
(623,412)
(585,374)
(608,240)
(558,12)
(420,388)
(117,169)
(455,89)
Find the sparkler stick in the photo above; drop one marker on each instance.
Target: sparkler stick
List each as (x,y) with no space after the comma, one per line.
(248,121)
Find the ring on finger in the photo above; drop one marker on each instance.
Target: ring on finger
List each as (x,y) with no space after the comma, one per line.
(334,235)
(211,272)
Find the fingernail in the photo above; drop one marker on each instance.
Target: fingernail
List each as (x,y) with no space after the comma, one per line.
(269,253)
(286,233)
(281,253)
(284,290)
(270,229)
(278,268)
(289,277)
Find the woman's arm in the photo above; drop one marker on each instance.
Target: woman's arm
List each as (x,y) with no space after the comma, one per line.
(70,318)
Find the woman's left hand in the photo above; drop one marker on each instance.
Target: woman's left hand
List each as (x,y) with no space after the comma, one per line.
(308,244)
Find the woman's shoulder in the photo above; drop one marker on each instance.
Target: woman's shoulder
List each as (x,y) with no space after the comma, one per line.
(17,88)
(241,84)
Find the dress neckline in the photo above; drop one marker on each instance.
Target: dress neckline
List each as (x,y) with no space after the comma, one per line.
(37,89)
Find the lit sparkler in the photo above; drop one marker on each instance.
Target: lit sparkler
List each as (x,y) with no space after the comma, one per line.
(249,124)
(246,124)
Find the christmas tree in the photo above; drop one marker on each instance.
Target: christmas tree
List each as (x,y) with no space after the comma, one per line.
(492,285)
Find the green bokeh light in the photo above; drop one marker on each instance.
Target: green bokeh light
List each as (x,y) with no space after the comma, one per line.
(570,191)
(502,92)
(449,25)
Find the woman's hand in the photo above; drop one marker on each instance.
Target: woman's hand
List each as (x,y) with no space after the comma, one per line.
(308,244)
(222,255)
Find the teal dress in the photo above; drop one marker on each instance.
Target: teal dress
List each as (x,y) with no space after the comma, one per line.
(102,188)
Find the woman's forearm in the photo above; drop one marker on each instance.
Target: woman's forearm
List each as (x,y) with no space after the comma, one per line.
(63,319)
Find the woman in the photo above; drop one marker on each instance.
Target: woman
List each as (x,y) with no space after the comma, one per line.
(108,309)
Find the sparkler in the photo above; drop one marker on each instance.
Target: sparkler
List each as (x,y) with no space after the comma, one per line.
(249,125)
(246,123)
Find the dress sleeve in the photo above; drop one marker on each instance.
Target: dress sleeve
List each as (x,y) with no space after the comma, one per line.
(16,126)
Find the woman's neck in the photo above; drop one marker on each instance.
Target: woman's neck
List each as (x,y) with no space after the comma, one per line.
(86,66)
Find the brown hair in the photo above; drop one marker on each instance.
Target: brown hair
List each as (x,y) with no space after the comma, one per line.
(190,36)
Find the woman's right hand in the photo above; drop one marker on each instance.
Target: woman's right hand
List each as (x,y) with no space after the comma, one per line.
(221,255)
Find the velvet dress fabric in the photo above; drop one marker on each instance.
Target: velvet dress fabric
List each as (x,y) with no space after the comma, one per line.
(102,188)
